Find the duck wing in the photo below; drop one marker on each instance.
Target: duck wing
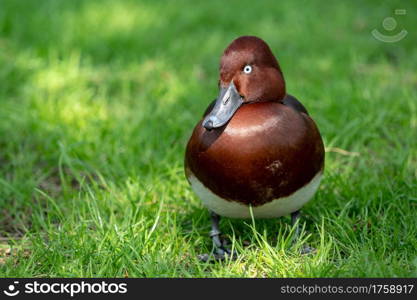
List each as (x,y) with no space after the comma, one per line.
(209,108)
(292,102)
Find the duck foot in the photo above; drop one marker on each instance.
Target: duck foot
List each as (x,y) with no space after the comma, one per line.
(220,254)
(306,250)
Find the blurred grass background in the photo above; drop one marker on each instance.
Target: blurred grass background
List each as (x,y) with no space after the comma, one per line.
(98,99)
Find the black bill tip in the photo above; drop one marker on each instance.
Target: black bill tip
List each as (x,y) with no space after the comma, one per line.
(208,125)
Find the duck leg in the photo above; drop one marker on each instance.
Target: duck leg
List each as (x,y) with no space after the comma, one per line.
(295,221)
(295,216)
(220,251)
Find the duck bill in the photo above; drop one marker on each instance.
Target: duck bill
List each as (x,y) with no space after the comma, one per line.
(226,105)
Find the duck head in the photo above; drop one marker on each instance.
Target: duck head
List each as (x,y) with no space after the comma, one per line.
(249,72)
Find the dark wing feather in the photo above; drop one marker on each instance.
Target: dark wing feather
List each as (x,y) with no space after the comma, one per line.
(209,108)
(292,102)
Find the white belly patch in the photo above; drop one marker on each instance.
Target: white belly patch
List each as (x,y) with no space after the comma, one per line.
(276,208)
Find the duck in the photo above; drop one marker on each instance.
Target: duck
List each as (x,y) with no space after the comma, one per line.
(256,151)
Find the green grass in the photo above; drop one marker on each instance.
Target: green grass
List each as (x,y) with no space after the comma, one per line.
(98,100)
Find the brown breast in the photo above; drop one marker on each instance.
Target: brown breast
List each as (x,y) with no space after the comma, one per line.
(266,151)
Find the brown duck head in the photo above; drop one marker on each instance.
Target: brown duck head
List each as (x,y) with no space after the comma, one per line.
(249,72)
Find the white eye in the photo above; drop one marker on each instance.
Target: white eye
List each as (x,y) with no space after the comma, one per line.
(247,69)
